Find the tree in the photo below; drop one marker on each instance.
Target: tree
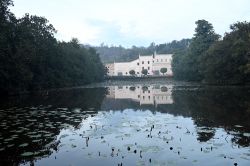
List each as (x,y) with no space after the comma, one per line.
(188,65)
(228,61)
(203,39)
(144,72)
(164,89)
(163,70)
(132,72)
(132,88)
(4,10)
(110,54)
(32,59)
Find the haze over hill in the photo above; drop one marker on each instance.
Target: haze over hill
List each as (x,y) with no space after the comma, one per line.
(110,54)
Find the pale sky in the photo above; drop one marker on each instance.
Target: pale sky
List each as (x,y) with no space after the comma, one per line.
(133,22)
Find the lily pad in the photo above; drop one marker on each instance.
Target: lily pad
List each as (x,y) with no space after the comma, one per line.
(27,154)
(239,126)
(73,146)
(24,145)
(246,134)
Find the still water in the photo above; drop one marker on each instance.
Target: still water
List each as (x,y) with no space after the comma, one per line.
(150,124)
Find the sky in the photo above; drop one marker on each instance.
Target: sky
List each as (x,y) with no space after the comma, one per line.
(133,22)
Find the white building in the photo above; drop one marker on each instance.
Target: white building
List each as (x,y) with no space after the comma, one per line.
(152,63)
(150,95)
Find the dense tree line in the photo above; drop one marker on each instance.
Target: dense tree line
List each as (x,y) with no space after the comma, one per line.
(110,54)
(212,59)
(31,58)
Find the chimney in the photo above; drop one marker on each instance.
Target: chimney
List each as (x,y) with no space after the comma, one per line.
(154,54)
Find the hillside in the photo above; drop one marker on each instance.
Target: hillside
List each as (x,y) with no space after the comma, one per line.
(110,54)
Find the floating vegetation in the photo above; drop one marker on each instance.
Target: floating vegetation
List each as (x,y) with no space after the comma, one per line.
(246,134)
(238,126)
(160,134)
(73,146)
(38,140)
(24,145)
(27,154)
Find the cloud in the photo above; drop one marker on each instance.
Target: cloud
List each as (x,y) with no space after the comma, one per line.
(81,30)
(130,22)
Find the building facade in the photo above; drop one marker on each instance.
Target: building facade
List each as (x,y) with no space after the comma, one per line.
(145,95)
(152,63)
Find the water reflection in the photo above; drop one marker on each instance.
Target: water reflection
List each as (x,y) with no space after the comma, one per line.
(129,125)
(30,125)
(151,95)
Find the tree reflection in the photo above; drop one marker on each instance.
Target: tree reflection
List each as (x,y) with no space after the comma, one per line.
(37,120)
(214,107)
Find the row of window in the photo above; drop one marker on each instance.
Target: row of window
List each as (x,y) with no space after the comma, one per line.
(157,60)
(155,87)
(158,97)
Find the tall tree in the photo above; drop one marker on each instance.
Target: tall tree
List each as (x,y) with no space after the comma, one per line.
(31,58)
(190,62)
(228,60)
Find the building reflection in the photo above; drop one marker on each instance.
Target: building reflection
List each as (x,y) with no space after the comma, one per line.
(144,95)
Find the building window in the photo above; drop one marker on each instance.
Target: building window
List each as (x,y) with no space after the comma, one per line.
(166,60)
(138,96)
(137,72)
(142,68)
(138,64)
(126,73)
(148,97)
(143,97)
(142,62)
(148,68)
(161,60)
(153,61)
(157,60)
(148,62)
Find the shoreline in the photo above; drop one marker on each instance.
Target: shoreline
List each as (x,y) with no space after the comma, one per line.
(126,80)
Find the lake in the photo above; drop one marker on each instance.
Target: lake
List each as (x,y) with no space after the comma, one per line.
(128,123)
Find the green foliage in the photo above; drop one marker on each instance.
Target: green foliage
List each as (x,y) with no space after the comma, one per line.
(186,64)
(121,54)
(132,88)
(144,72)
(215,61)
(172,47)
(31,58)
(163,70)
(228,60)
(132,72)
